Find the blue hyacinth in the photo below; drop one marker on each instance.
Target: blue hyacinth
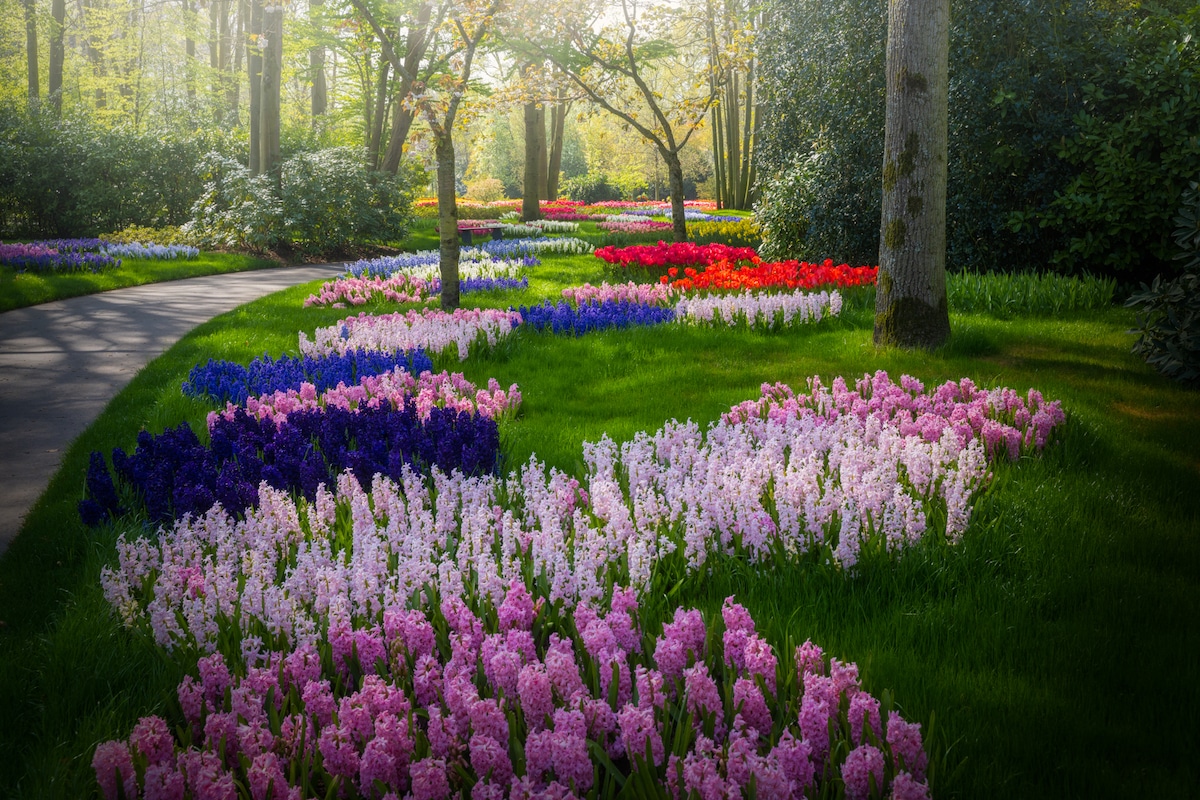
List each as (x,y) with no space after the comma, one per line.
(565,318)
(222,381)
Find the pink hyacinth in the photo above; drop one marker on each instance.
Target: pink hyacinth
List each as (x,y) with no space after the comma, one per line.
(862,769)
(114,770)
(429,780)
(904,739)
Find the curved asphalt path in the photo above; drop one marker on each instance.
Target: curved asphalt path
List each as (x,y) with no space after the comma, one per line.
(61,362)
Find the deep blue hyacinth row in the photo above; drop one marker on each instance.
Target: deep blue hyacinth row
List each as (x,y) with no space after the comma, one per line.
(221,381)
(173,474)
(69,261)
(468,285)
(566,318)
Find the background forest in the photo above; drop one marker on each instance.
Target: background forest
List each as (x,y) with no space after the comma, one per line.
(1073,128)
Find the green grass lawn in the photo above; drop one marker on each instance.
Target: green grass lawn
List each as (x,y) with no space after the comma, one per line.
(18,290)
(1046,655)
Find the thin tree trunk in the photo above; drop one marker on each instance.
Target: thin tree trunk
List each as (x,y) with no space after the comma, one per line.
(269,101)
(543,163)
(534,156)
(254,74)
(733,145)
(33,77)
(558,125)
(235,69)
(58,13)
(402,120)
(189,50)
(675,179)
(316,67)
(448,247)
(378,117)
(910,306)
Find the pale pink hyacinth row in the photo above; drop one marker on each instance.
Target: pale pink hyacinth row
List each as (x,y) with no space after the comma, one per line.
(1006,421)
(759,309)
(633,226)
(796,485)
(399,288)
(511,711)
(644,293)
(397,388)
(431,329)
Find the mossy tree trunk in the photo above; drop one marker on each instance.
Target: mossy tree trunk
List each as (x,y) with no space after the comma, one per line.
(910,305)
(535,157)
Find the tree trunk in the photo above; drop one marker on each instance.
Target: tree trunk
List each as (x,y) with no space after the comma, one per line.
(272,68)
(558,124)
(31,51)
(910,305)
(189,50)
(377,118)
(254,63)
(448,248)
(402,119)
(543,163)
(675,179)
(58,12)
(534,158)
(316,66)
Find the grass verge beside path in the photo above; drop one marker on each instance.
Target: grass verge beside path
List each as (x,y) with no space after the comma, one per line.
(1049,651)
(18,290)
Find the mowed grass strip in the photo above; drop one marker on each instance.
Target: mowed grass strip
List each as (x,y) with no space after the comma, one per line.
(1050,654)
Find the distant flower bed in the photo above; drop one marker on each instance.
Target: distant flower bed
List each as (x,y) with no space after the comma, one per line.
(474,262)
(56,256)
(399,288)
(645,293)
(727,275)
(759,309)
(513,248)
(158,252)
(675,254)
(732,230)
(633,226)
(226,381)
(595,316)
(432,330)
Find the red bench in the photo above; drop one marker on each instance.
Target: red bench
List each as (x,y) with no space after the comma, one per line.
(467,230)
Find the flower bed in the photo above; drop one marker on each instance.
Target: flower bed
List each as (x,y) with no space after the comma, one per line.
(399,288)
(584,318)
(633,226)
(727,275)
(439,703)
(759,309)
(675,254)
(432,330)
(387,639)
(473,263)
(644,293)
(1007,423)
(158,252)
(58,256)
(226,381)
(397,388)
(175,476)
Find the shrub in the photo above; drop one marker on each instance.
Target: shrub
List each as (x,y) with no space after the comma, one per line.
(69,177)
(1137,146)
(591,188)
(1169,310)
(487,190)
(327,201)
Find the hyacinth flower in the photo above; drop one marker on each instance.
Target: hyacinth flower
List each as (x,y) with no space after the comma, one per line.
(398,288)
(1007,422)
(511,700)
(176,476)
(432,330)
(227,381)
(798,487)
(396,389)
(593,316)
(160,252)
(759,309)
